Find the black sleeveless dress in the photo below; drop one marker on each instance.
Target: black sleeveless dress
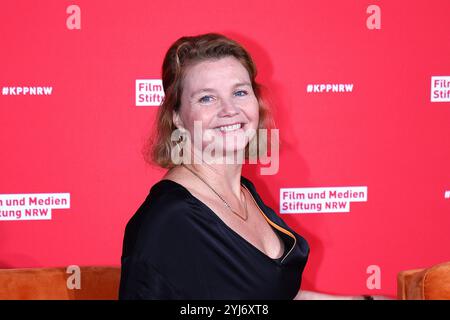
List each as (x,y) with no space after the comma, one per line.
(176,247)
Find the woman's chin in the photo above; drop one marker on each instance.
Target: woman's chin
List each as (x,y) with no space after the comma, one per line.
(230,153)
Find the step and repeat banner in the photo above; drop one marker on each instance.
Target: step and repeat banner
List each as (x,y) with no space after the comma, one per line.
(360,92)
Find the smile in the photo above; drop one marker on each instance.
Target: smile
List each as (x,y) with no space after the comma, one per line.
(229,128)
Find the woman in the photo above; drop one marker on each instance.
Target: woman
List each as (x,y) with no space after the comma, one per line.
(203,231)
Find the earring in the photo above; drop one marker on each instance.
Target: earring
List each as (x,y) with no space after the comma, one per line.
(178,145)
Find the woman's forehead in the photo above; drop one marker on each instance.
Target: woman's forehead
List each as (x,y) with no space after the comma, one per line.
(207,74)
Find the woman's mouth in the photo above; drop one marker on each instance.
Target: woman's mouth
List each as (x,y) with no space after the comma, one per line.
(229,128)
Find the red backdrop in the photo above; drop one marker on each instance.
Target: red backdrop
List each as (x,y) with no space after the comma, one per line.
(84,138)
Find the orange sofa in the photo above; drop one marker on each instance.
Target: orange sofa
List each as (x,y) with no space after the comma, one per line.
(102,283)
(96,283)
(431,283)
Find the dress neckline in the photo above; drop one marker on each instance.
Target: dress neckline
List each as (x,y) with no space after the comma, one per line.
(276,260)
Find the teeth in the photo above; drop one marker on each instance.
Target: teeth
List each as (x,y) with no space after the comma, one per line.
(230,128)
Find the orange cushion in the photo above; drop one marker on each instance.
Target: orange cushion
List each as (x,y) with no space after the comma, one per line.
(425,284)
(51,283)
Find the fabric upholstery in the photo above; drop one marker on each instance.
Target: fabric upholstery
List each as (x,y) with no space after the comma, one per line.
(51,283)
(431,283)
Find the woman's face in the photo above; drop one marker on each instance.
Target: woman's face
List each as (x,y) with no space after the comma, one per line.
(217,94)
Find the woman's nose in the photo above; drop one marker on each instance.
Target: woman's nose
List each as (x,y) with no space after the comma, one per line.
(228,108)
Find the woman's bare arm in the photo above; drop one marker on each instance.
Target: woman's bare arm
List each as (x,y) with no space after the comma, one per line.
(312,295)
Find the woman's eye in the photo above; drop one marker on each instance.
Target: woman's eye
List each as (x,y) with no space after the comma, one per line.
(205,99)
(244,93)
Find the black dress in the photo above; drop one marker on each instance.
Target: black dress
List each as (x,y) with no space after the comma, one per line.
(176,247)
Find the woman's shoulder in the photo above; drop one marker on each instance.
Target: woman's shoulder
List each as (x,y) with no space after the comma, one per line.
(165,199)
(271,214)
(165,213)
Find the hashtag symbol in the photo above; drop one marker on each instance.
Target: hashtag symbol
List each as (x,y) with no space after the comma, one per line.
(309,88)
(5,91)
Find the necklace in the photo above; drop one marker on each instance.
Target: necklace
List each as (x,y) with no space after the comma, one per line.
(221,198)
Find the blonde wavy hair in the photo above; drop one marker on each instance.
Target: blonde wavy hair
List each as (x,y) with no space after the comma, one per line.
(185,52)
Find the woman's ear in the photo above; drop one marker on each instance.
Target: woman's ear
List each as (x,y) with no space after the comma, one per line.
(177,120)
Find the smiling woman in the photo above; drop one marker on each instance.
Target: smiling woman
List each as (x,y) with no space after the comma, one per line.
(214,96)
(208,78)
(203,232)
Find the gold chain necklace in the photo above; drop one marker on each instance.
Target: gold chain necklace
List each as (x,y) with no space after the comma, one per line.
(225,202)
